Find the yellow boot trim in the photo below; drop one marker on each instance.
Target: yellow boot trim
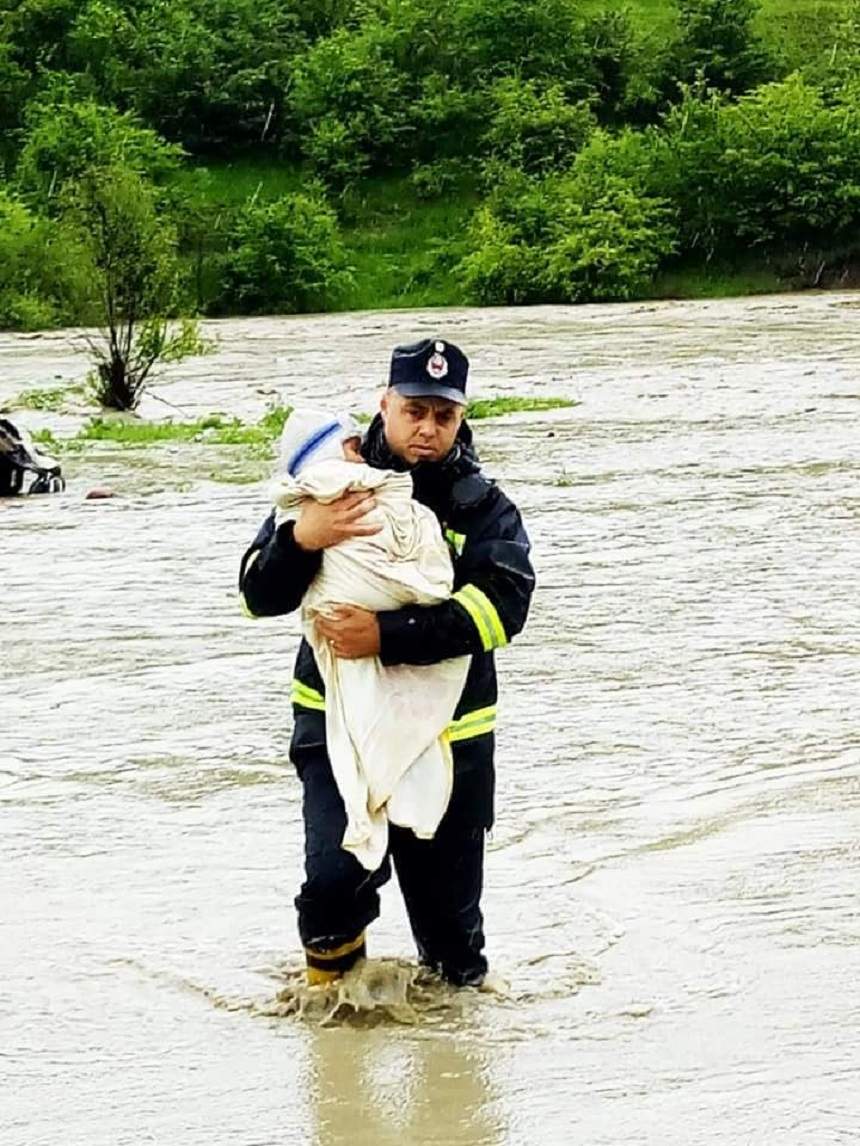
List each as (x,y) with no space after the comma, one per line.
(318,978)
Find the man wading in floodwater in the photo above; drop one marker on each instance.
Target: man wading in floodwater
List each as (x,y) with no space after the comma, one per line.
(420,429)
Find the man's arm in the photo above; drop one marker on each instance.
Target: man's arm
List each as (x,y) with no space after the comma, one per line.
(275,572)
(281,562)
(494,580)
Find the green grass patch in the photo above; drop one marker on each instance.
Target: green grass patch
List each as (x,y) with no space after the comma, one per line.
(495,407)
(229,183)
(801,32)
(257,438)
(212,430)
(50,399)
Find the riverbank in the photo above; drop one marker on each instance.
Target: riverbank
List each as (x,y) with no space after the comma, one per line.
(402,249)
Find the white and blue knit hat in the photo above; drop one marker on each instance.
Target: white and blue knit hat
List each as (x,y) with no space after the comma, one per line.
(313,436)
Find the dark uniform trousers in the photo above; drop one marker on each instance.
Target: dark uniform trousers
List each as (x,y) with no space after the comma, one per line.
(440,879)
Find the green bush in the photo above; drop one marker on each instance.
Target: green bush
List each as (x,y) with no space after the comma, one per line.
(433,180)
(66,138)
(782,165)
(339,150)
(284,256)
(535,127)
(575,237)
(535,39)
(446,120)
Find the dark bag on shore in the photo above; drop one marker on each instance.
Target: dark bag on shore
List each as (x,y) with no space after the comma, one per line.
(23,468)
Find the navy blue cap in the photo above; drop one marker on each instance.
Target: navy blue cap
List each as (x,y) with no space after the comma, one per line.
(431,368)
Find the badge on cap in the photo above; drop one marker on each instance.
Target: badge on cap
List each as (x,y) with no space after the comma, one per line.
(437,366)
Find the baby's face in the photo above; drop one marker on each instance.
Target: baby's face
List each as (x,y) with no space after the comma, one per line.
(351,451)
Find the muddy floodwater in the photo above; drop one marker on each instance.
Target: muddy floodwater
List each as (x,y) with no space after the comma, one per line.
(672,881)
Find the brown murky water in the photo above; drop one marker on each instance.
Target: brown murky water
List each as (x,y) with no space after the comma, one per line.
(673,877)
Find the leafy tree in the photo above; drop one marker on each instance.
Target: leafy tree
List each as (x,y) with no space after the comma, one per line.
(619,69)
(284,256)
(719,46)
(352,101)
(66,138)
(135,277)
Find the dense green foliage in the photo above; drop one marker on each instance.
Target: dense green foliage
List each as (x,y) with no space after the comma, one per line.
(567,238)
(42,273)
(418,151)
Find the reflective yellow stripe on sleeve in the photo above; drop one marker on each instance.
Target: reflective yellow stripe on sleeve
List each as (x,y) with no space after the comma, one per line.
(306,697)
(484,615)
(477,723)
(243,604)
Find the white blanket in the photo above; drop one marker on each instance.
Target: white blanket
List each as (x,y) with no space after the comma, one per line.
(385,725)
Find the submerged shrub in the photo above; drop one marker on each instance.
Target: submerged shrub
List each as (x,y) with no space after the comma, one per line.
(135,278)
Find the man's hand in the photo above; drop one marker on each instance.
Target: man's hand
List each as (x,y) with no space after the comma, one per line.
(320,526)
(350,632)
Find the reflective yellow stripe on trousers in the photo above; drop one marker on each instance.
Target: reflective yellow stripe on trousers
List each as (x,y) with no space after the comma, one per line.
(477,723)
(306,697)
(466,727)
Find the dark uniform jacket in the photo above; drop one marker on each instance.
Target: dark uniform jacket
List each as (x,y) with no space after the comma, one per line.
(493,584)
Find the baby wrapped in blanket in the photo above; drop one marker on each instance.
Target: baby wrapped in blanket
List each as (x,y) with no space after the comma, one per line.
(385,724)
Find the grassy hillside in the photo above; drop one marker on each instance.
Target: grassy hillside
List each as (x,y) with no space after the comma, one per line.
(393,237)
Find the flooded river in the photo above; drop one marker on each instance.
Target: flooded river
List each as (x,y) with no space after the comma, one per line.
(672,882)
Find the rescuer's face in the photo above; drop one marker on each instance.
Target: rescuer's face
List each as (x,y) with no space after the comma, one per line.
(420,429)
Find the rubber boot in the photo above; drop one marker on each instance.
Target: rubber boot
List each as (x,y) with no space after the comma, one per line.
(329,966)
